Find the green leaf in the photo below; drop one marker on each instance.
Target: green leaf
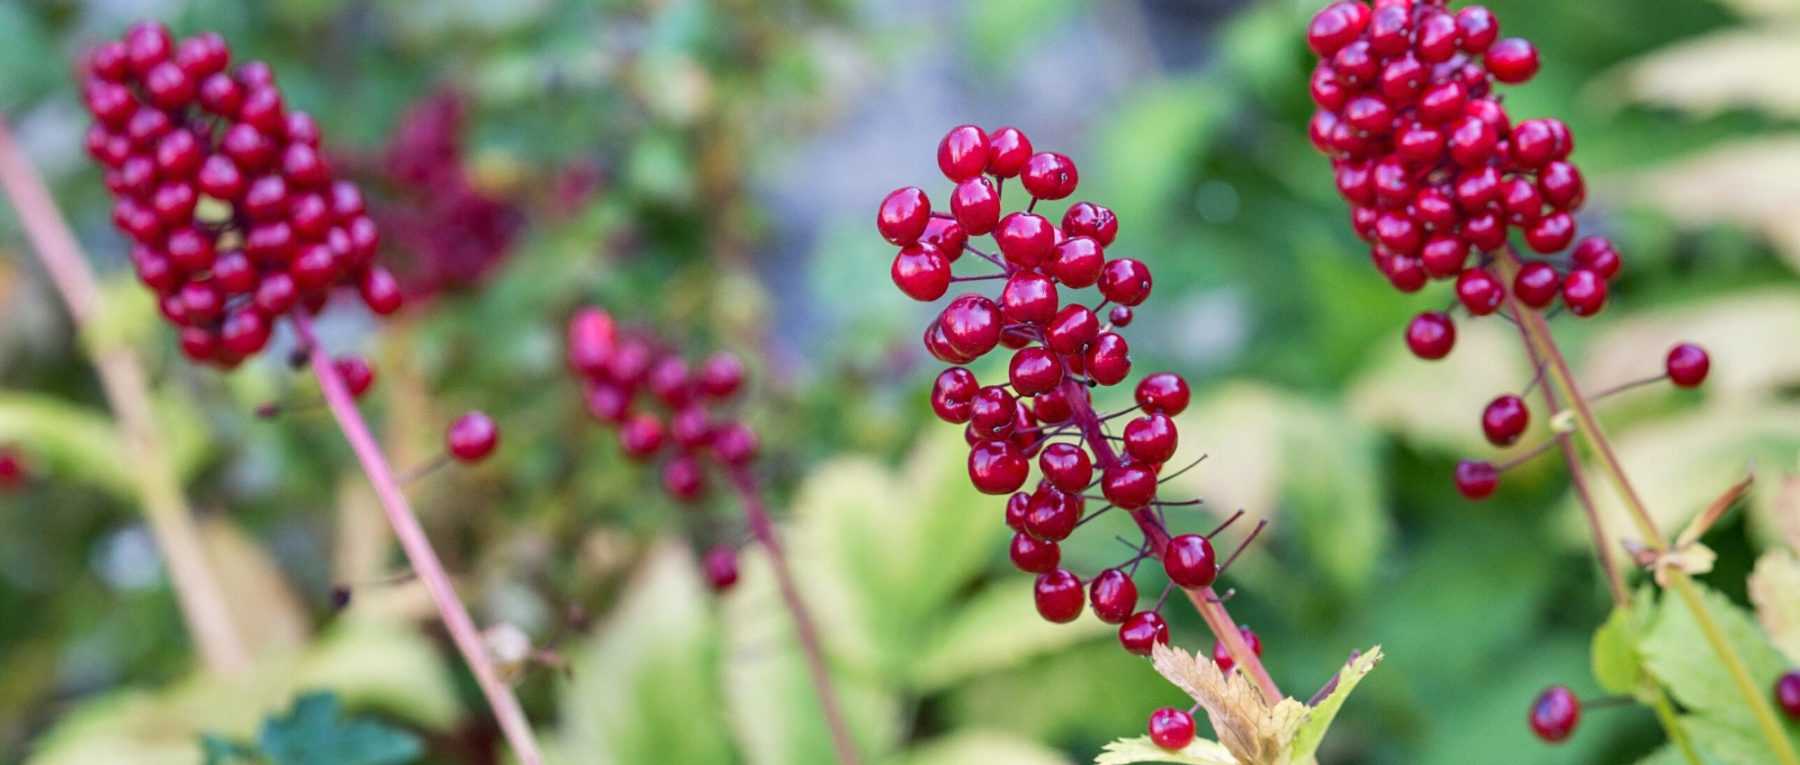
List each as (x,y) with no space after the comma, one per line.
(1319,717)
(1618,667)
(979,748)
(998,628)
(317,733)
(645,687)
(1775,590)
(218,750)
(78,444)
(1126,751)
(1678,654)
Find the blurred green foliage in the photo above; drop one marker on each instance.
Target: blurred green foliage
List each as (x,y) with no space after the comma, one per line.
(709,168)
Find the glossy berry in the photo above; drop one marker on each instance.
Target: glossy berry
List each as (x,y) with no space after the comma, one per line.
(1554,714)
(1787,694)
(720,566)
(683,479)
(903,214)
(1034,370)
(1058,596)
(1129,486)
(1051,515)
(641,436)
(1189,561)
(1430,335)
(953,395)
(472,437)
(1113,596)
(358,376)
(1049,175)
(1512,60)
(1142,631)
(1687,365)
(1066,466)
(1476,479)
(996,467)
(1222,655)
(1584,292)
(1504,420)
(1479,291)
(1537,284)
(1125,281)
(963,153)
(1151,439)
(1171,728)
(1163,393)
(921,272)
(1033,555)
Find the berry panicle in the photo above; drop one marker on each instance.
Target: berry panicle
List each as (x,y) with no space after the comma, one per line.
(234,213)
(1024,297)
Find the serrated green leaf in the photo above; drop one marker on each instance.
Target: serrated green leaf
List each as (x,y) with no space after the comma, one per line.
(1319,717)
(1775,591)
(997,628)
(1126,751)
(1677,653)
(1617,666)
(317,733)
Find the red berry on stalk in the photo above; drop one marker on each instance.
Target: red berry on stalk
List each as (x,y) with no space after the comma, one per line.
(1141,631)
(1049,175)
(1512,60)
(1687,365)
(1584,292)
(971,324)
(1052,515)
(1035,370)
(1128,485)
(591,336)
(1554,714)
(472,437)
(1189,561)
(1071,329)
(1787,694)
(975,204)
(1067,466)
(1008,150)
(921,272)
(1091,220)
(903,214)
(641,436)
(1596,253)
(379,290)
(1430,335)
(996,467)
(1125,281)
(1025,239)
(1151,439)
(1108,359)
(1163,393)
(963,154)
(1222,655)
(1476,479)
(1113,596)
(1505,419)
(1034,556)
(358,375)
(1058,596)
(1479,291)
(1536,284)
(720,565)
(953,395)
(1077,262)
(683,479)
(1171,728)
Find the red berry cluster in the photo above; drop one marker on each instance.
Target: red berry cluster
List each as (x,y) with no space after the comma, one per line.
(675,418)
(173,128)
(1059,350)
(1433,166)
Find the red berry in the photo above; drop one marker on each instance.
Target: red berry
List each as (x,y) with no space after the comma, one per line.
(641,436)
(1336,26)
(971,324)
(721,567)
(1151,439)
(1113,595)
(1025,239)
(168,86)
(262,108)
(1028,298)
(976,205)
(1049,175)
(683,479)
(1171,728)
(1125,281)
(996,467)
(1687,365)
(1163,393)
(1478,27)
(1536,284)
(1008,151)
(1222,655)
(12,468)
(1430,335)
(1035,370)
(1142,630)
(1032,555)
(1512,60)
(1476,479)
(357,374)
(1505,419)
(472,437)
(903,215)
(1119,316)
(1108,359)
(952,396)
(1555,713)
(221,95)
(1479,291)
(1066,466)
(921,272)
(963,154)
(1052,515)
(1058,595)
(1071,329)
(1584,292)
(1077,261)
(591,337)
(244,332)
(1551,233)
(1596,253)
(276,294)
(1189,561)
(1091,220)
(1787,694)
(1562,186)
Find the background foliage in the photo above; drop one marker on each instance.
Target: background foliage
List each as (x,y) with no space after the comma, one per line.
(711,168)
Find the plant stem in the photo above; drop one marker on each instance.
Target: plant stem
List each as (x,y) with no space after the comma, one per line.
(1204,599)
(1543,346)
(197,589)
(763,528)
(1665,713)
(419,552)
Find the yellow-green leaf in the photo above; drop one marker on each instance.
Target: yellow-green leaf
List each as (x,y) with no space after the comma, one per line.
(979,748)
(1710,73)
(1126,751)
(1319,717)
(1617,667)
(1677,652)
(996,629)
(1775,591)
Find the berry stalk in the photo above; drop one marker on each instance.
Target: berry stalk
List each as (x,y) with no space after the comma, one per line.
(1543,346)
(1207,602)
(763,528)
(419,552)
(197,589)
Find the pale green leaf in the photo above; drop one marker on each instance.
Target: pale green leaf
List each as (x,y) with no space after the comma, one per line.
(1737,328)
(1618,667)
(1710,73)
(1435,403)
(1678,654)
(77,445)
(998,628)
(979,748)
(645,687)
(1319,717)
(1747,182)
(1775,591)
(316,732)
(1126,751)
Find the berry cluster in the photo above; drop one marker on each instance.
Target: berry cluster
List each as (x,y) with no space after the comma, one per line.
(174,129)
(1059,350)
(664,408)
(1433,166)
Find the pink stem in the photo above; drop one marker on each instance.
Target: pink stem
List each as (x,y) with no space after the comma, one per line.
(1204,599)
(419,552)
(763,528)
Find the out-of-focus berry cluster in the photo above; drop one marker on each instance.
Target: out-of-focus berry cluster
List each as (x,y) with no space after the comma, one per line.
(235,215)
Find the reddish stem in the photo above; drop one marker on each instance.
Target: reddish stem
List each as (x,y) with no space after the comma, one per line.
(419,552)
(763,528)
(1204,599)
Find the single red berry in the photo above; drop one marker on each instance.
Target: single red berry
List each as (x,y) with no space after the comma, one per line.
(992,411)
(147,43)
(1058,596)
(1034,556)
(606,402)
(244,332)
(1551,233)
(1077,261)
(1091,220)
(472,437)
(971,324)
(1787,694)
(1562,186)
(1108,359)
(683,479)
(903,215)
(1171,728)
(1596,253)
(591,337)
(1189,561)
(947,236)
(1505,419)
(277,294)
(1113,595)
(1479,291)
(1052,406)
(997,467)
(921,272)
(1071,329)
(1555,713)
(1143,630)
(1476,479)
(1151,439)
(1125,281)
(1119,316)
(975,204)
(1067,466)
(1025,239)
(1512,60)
(1478,27)
(1222,655)
(1536,284)
(670,382)
(953,395)
(1049,175)
(1034,370)
(1336,26)
(641,436)
(1687,365)
(1028,298)
(1163,393)
(721,567)
(1584,292)
(262,108)
(1430,335)
(358,375)
(963,154)
(1052,515)
(1128,485)
(1008,150)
